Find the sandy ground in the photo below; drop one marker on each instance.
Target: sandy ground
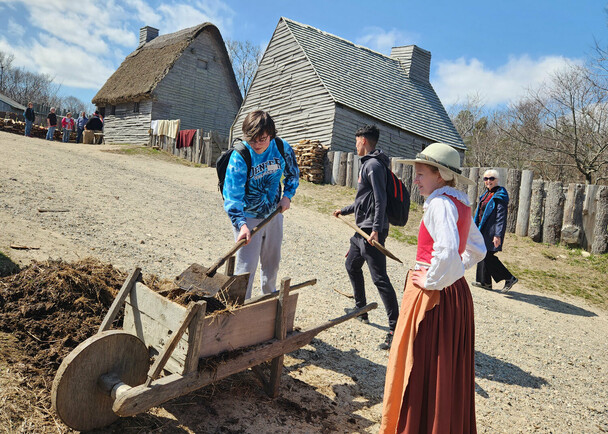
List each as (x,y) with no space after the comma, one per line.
(541,361)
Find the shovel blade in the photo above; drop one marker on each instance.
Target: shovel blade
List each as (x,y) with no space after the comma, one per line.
(195,279)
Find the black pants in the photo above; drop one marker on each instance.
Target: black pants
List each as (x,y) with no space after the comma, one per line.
(491,268)
(360,252)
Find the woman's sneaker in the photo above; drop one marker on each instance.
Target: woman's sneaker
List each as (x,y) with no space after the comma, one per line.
(386,345)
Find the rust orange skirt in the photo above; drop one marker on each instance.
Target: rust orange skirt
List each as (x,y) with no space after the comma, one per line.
(430,377)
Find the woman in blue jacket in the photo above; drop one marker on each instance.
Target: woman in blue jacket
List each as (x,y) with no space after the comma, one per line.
(491,219)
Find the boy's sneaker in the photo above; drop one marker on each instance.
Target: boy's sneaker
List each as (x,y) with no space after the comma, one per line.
(363,317)
(386,345)
(509,284)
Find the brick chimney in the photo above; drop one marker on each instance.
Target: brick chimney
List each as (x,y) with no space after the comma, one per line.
(146,34)
(415,61)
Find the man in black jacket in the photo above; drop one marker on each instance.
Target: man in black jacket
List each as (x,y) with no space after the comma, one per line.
(370,215)
(94,124)
(30,117)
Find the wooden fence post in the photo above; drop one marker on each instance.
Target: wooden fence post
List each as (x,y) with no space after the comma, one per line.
(472,190)
(461,185)
(356,167)
(589,215)
(406,174)
(328,167)
(512,186)
(342,168)
(554,212)
(335,171)
(572,229)
(523,213)
(349,170)
(535,225)
(600,232)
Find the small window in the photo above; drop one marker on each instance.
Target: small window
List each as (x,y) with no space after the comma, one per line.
(135,107)
(201,64)
(113,110)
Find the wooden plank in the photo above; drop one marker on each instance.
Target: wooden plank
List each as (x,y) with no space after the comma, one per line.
(195,338)
(232,330)
(159,364)
(138,399)
(280,332)
(119,300)
(153,318)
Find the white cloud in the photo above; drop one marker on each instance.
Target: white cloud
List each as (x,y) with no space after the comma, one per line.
(457,79)
(82,46)
(382,41)
(180,16)
(15,28)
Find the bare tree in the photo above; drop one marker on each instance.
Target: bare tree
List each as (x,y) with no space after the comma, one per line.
(566,119)
(245,57)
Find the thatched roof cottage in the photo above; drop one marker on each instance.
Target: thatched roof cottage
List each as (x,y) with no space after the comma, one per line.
(319,86)
(185,75)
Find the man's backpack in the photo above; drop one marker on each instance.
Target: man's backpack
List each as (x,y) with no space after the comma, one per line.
(397,200)
(237,145)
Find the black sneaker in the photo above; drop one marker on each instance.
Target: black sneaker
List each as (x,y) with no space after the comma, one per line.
(509,284)
(481,285)
(363,317)
(386,345)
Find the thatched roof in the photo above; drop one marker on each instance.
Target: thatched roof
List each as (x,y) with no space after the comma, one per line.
(144,68)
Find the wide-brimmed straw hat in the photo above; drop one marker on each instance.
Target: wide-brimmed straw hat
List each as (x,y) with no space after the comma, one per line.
(443,157)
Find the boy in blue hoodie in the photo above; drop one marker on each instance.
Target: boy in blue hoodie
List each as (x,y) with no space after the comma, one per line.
(251,197)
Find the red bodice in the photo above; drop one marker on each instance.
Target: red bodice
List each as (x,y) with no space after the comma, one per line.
(425,241)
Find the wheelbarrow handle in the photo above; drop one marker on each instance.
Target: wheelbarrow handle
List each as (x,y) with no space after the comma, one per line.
(213,269)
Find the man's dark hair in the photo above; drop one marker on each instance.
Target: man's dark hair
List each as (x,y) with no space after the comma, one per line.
(257,123)
(370,132)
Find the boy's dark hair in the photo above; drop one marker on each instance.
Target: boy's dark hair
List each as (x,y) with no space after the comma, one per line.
(257,123)
(370,132)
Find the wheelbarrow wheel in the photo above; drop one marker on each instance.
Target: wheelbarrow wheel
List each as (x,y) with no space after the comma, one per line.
(77,396)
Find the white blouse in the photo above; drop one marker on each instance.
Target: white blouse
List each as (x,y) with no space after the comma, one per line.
(440,218)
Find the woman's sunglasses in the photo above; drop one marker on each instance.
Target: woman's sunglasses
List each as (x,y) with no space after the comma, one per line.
(488,178)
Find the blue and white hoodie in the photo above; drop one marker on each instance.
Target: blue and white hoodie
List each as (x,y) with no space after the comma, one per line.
(263,195)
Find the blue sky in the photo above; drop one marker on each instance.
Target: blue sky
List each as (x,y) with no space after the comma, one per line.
(493,49)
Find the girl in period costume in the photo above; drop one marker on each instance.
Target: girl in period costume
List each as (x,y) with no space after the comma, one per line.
(430,379)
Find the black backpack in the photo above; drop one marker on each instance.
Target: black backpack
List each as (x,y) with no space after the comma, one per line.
(237,145)
(397,200)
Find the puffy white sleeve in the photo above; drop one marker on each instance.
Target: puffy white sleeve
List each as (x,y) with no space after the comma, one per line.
(475,250)
(440,219)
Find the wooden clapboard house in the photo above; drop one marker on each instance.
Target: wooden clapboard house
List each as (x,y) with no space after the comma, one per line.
(318,86)
(185,75)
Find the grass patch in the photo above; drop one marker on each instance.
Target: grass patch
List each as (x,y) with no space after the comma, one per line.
(157,154)
(399,234)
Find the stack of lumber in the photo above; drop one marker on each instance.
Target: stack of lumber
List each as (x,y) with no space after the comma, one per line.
(18,127)
(310,155)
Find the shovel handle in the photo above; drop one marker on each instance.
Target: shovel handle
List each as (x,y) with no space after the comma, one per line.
(240,243)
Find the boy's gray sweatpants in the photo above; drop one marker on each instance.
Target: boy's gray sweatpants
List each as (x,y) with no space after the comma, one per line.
(265,247)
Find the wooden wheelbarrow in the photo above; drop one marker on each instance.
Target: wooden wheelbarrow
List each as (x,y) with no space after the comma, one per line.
(109,375)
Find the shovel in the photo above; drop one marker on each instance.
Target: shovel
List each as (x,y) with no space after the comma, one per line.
(208,281)
(377,245)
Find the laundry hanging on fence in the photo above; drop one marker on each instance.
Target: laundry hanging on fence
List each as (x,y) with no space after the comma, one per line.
(185,138)
(173,128)
(154,127)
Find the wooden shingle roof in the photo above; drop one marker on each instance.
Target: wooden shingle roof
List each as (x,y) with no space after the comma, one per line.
(142,70)
(375,84)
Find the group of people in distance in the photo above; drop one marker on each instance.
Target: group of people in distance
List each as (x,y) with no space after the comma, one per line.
(68,123)
(430,379)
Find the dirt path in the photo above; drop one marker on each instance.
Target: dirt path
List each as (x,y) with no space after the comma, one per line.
(541,361)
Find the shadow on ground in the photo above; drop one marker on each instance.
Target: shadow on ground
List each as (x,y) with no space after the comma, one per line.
(493,369)
(7,266)
(550,304)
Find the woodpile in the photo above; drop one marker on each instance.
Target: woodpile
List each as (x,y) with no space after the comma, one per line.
(18,127)
(310,155)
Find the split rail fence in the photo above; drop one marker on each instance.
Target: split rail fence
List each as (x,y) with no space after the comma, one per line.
(548,212)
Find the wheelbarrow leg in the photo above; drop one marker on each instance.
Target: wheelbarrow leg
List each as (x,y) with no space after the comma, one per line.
(280,332)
